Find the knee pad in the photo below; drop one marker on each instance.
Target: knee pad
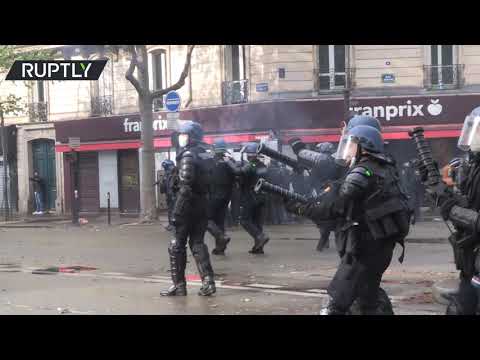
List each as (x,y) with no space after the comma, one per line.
(175,247)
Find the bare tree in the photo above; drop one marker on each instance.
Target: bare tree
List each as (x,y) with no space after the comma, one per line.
(139,62)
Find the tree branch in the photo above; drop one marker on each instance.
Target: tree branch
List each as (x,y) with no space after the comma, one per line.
(129,74)
(181,80)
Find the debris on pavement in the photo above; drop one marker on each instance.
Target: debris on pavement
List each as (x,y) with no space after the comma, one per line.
(63,269)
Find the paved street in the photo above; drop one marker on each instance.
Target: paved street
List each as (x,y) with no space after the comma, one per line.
(120,270)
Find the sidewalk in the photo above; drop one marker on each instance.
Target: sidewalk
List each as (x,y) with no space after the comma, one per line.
(432,230)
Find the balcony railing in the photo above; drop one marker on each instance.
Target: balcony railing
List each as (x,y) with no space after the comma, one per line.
(101,105)
(235,92)
(331,80)
(38,112)
(443,77)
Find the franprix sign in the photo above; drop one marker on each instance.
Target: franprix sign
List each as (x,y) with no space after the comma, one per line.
(410,109)
(135,125)
(417,110)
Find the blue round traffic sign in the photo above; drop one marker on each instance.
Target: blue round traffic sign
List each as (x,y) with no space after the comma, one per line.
(172,101)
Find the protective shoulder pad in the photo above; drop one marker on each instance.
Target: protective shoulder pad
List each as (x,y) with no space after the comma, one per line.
(187,167)
(359,176)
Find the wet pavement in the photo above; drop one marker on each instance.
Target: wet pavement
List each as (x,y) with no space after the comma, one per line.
(120,270)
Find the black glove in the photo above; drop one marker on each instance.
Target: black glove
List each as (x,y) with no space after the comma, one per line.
(447,200)
(297,145)
(294,207)
(447,206)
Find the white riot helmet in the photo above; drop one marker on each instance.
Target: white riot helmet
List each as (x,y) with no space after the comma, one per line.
(470,137)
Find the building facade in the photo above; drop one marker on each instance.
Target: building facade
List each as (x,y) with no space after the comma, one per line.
(241,93)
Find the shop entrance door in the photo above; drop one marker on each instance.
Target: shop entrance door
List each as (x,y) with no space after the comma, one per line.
(43,152)
(129,184)
(88,186)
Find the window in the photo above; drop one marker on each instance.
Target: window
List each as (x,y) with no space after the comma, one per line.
(37,108)
(235,62)
(235,86)
(102,92)
(442,71)
(158,67)
(331,67)
(40,93)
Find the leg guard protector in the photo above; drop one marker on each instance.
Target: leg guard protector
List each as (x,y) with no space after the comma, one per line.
(221,240)
(202,259)
(178,262)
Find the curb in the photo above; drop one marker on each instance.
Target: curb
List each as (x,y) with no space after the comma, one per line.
(25,226)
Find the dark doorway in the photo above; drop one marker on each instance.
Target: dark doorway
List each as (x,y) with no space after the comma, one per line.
(88,186)
(129,185)
(43,151)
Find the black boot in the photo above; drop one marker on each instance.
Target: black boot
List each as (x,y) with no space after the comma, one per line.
(322,245)
(331,309)
(178,262)
(202,259)
(221,240)
(380,305)
(260,242)
(208,286)
(221,245)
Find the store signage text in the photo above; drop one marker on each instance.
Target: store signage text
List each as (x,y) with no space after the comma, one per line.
(392,111)
(136,126)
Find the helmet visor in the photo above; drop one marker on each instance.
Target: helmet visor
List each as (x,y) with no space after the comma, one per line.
(470,136)
(347,150)
(183,140)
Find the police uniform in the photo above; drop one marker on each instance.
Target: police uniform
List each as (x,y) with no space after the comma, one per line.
(190,213)
(463,212)
(375,216)
(221,188)
(252,205)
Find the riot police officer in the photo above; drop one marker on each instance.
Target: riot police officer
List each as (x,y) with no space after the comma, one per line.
(168,187)
(463,211)
(297,146)
(251,204)
(375,217)
(221,188)
(275,213)
(320,179)
(190,211)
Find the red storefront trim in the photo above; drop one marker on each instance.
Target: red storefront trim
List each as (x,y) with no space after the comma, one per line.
(100,146)
(332,135)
